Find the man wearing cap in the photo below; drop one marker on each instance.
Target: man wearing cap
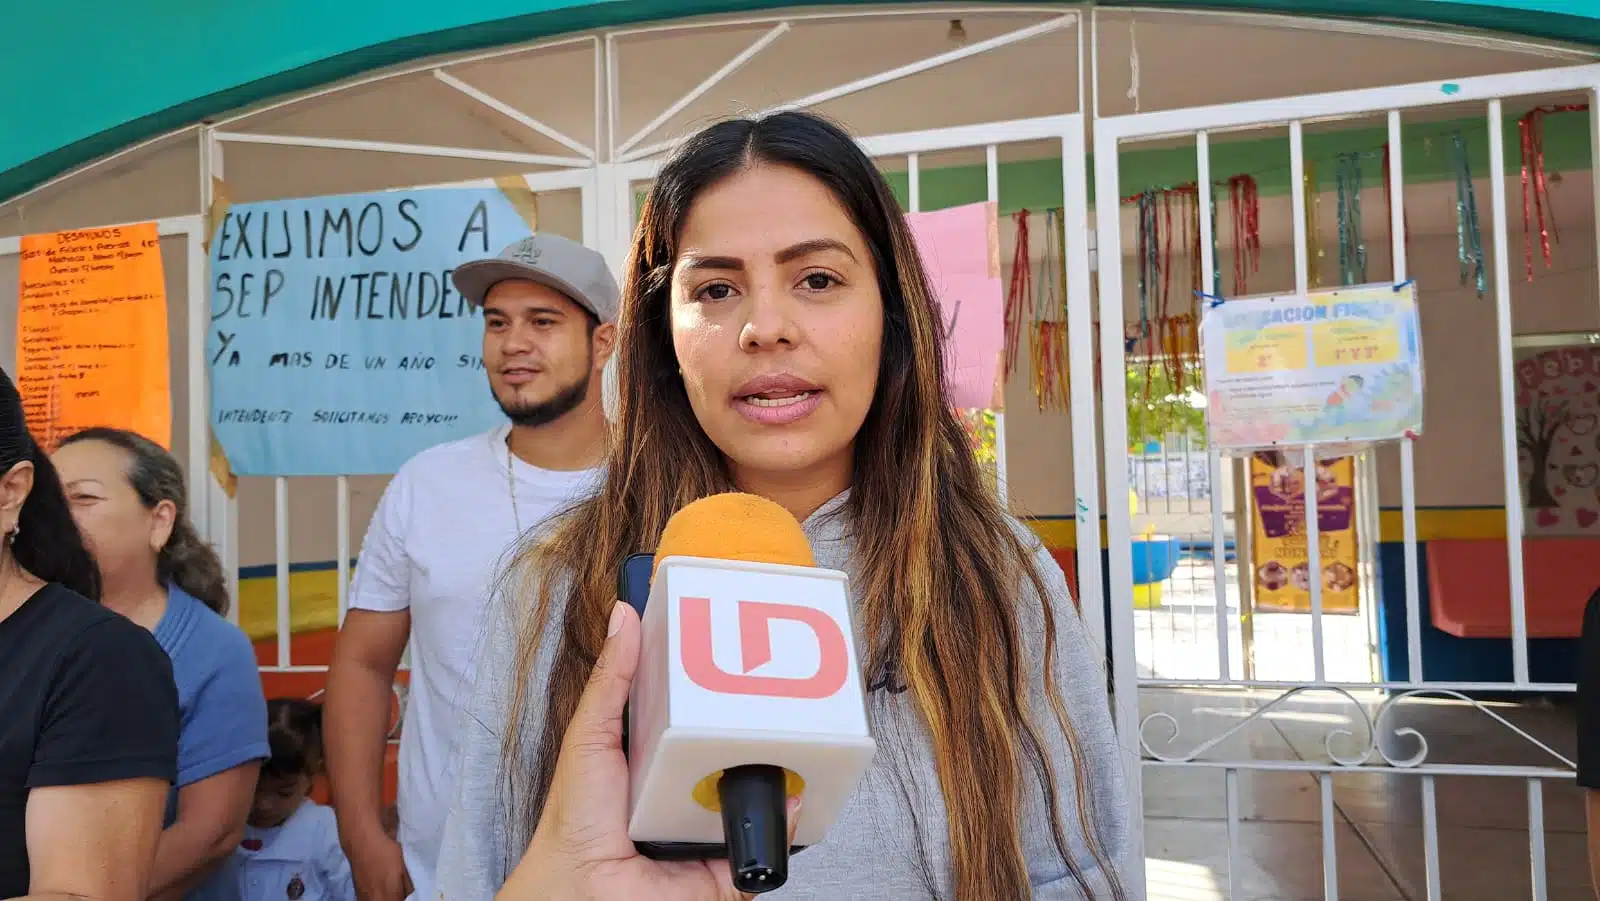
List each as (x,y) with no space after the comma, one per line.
(443,529)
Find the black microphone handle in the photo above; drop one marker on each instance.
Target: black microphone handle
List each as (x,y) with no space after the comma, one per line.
(755,822)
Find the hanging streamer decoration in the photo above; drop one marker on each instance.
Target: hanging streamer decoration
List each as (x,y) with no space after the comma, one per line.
(1313,213)
(1535,185)
(1019,293)
(1352,244)
(1167,332)
(1244,205)
(1469,237)
(1048,343)
(1183,327)
(1149,236)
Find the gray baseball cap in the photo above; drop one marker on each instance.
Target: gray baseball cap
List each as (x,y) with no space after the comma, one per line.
(550,260)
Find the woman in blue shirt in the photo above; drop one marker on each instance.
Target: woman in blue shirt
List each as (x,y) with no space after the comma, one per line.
(128,496)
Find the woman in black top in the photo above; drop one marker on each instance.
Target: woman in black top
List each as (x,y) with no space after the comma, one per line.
(88,708)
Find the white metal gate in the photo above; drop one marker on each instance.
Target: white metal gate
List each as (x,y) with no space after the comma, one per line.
(1370,741)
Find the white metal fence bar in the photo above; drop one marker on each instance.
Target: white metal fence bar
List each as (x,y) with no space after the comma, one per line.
(198,454)
(1230,783)
(342,565)
(1430,838)
(913,183)
(1297,191)
(1330,835)
(280,523)
(1313,530)
(1114,424)
(1508,400)
(1536,863)
(991,167)
(1208,272)
(1081,375)
(223,518)
(1408,462)
(612,108)
(1302,286)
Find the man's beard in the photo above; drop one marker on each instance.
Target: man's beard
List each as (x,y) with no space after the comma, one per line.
(535,414)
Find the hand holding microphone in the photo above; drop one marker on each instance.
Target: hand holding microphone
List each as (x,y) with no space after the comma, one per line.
(580,849)
(748,691)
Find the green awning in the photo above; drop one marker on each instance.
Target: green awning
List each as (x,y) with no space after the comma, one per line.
(87,78)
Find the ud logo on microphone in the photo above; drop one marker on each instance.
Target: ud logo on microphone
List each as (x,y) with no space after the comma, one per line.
(755,646)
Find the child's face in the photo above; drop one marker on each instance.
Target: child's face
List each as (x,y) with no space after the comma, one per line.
(277,798)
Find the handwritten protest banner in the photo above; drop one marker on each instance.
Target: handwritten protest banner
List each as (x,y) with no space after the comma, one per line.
(1333,367)
(1278,551)
(92,333)
(338,343)
(960,248)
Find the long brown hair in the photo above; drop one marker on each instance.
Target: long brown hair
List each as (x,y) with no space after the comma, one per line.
(939,569)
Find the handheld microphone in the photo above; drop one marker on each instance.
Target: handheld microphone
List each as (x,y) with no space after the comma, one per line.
(748,690)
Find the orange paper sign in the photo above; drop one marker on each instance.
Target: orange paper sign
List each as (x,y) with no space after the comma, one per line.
(92,334)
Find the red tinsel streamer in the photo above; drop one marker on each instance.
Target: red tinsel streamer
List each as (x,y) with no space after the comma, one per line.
(1020,293)
(1535,188)
(1049,351)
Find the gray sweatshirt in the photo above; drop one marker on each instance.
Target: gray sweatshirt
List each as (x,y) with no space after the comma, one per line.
(890,841)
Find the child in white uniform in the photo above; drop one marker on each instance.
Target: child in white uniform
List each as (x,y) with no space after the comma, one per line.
(290,850)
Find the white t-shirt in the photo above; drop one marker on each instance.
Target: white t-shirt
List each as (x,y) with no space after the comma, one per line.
(297,860)
(436,545)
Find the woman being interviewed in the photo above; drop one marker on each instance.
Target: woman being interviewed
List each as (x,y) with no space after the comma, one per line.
(779,337)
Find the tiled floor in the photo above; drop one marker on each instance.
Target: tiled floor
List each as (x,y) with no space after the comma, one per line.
(1483,831)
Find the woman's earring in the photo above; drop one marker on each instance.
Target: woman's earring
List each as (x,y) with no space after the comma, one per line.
(13,532)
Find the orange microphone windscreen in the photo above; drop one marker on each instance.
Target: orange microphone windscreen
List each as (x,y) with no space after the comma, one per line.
(735,526)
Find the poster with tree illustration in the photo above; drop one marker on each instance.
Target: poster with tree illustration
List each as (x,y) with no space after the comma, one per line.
(1558,440)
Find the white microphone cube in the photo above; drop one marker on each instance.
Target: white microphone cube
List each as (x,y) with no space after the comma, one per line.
(743,663)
